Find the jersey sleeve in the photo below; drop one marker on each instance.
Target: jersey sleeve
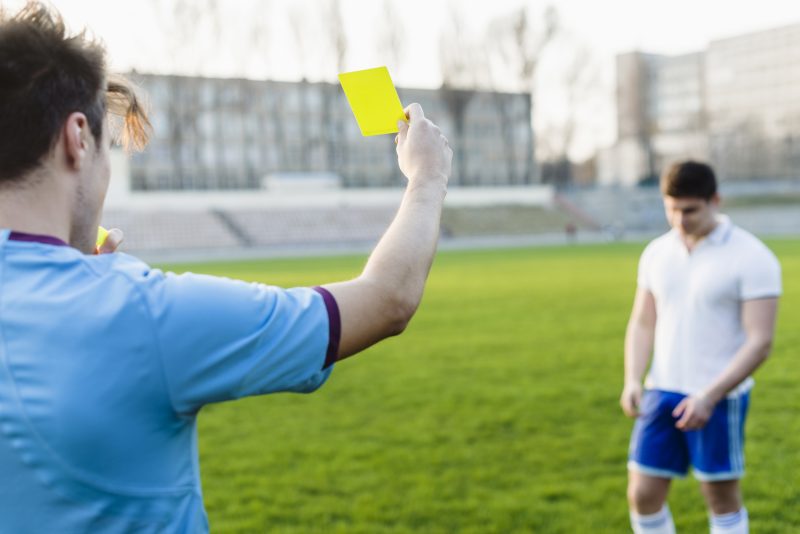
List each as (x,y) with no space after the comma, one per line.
(222,339)
(643,274)
(760,275)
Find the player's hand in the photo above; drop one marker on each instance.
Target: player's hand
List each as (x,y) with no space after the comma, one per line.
(112,242)
(693,412)
(630,399)
(423,153)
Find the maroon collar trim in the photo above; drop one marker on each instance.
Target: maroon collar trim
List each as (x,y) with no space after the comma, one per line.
(33,238)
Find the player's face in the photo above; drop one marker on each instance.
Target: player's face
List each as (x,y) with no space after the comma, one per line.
(691,216)
(91,194)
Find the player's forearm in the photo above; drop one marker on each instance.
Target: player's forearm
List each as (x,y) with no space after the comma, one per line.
(400,263)
(638,349)
(750,356)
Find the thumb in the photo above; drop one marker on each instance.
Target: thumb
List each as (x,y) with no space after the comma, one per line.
(636,400)
(112,241)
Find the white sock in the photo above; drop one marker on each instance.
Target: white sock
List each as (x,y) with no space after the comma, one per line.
(657,523)
(734,523)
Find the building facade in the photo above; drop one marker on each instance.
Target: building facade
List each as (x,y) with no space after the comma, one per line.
(735,104)
(233,134)
(753,87)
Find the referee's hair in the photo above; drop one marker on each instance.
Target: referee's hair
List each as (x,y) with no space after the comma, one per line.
(689,179)
(46,74)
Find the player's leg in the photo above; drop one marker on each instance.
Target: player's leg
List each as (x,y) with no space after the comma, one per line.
(657,454)
(724,500)
(647,494)
(717,455)
(647,500)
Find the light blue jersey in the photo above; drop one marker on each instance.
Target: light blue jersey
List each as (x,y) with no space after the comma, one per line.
(104,365)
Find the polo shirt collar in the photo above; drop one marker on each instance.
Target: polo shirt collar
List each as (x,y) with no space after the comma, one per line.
(718,236)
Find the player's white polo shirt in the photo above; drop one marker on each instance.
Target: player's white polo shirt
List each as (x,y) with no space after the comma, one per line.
(698,302)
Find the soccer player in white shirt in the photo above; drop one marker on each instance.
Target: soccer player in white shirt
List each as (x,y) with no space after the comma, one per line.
(705,308)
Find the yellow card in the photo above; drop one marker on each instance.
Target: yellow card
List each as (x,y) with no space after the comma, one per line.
(373,99)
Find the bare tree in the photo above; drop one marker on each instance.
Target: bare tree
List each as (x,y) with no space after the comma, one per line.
(577,85)
(457,56)
(335,33)
(517,44)
(298,21)
(391,49)
(192,29)
(257,20)
(194,32)
(391,44)
(334,43)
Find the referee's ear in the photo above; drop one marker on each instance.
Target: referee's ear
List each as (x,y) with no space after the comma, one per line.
(75,140)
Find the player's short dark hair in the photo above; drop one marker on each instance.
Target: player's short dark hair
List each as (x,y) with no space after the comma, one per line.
(45,75)
(689,179)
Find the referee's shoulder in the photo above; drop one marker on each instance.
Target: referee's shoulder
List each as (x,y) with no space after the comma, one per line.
(121,265)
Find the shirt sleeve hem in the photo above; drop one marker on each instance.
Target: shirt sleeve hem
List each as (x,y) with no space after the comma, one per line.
(334,326)
(759,296)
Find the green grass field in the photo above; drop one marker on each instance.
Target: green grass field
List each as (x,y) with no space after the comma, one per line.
(496,411)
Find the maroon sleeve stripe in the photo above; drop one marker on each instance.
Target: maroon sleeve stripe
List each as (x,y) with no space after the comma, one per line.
(334,326)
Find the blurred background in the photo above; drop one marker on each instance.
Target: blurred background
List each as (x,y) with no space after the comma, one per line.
(561,114)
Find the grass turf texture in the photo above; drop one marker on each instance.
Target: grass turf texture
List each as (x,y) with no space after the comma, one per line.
(496,411)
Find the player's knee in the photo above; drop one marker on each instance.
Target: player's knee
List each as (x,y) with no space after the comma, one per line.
(643,499)
(722,498)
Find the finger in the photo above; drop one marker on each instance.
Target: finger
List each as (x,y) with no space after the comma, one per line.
(628,406)
(402,131)
(680,408)
(684,422)
(112,241)
(414,112)
(635,402)
(692,423)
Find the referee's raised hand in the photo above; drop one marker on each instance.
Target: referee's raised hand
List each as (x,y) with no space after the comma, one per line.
(423,152)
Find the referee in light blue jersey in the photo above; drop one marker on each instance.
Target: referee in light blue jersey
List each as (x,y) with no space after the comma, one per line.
(105,362)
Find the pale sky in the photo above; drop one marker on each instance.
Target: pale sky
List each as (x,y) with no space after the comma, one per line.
(140,34)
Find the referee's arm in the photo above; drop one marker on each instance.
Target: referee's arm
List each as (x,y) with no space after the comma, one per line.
(381,301)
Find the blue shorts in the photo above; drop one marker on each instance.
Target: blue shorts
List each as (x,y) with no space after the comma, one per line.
(715,452)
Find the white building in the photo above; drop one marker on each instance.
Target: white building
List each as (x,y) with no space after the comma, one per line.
(232,133)
(736,104)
